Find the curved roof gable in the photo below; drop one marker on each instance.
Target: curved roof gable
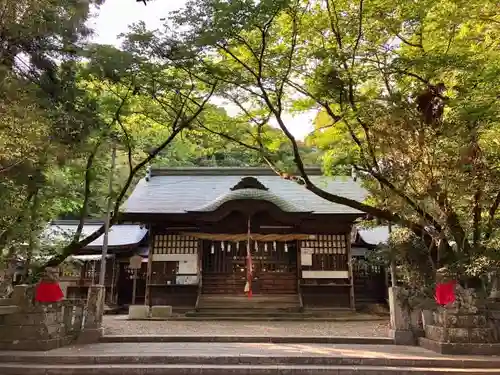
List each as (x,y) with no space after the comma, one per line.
(249,193)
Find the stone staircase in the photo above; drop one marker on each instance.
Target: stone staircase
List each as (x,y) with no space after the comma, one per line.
(235,358)
(240,306)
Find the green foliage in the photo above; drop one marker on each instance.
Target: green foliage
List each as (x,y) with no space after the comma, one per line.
(405,92)
(415,264)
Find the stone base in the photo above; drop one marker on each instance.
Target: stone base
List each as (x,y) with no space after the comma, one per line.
(138,312)
(161,311)
(460,335)
(454,320)
(459,348)
(403,337)
(31,345)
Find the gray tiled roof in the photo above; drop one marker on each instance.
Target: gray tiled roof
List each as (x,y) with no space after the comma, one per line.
(182,190)
(374,235)
(119,235)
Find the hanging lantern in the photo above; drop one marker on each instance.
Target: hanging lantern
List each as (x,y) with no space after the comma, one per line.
(212,249)
(265,247)
(255,246)
(286,247)
(274,245)
(229,247)
(222,245)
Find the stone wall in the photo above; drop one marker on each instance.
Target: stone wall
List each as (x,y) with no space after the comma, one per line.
(494,317)
(27,325)
(463,327)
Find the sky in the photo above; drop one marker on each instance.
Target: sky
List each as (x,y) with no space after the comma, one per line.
(114,17)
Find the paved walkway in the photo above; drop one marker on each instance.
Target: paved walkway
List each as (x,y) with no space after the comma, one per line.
(119,325)
(245,350)
(240,349)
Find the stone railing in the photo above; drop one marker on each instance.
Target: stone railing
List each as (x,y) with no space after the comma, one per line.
(27,325)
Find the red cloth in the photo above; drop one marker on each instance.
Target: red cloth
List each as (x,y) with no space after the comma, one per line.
(445,293)
(48,292)
(249,271)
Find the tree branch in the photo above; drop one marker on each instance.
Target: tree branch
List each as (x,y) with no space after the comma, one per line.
(407,42)
(360,32)
(86,198)
(9,167)
(73,247)
(491,216)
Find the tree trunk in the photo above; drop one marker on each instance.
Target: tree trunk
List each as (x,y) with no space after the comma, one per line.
(32,237)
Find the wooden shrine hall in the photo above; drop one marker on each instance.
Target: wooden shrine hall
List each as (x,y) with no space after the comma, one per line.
(218,234)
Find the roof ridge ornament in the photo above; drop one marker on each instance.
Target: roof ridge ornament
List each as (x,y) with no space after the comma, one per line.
(249,183)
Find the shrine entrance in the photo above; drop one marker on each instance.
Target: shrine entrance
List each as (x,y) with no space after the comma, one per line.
(224,265)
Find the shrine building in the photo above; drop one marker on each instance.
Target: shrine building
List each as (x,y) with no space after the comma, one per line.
(207,227)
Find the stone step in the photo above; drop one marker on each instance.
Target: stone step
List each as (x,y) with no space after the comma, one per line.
(255,319)
(285,312)
(248,339)
(172,369)
(69,360)
(248,306)
(278,301)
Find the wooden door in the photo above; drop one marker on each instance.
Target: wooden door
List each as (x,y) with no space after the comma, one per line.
(224,267)
(275,267)
(126,281)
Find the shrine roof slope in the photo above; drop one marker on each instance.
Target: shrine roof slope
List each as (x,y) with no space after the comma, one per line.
(181,190)
(375,235)
(119,235)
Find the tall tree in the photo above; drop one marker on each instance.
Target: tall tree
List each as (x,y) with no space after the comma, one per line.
(43,114)
(406,91)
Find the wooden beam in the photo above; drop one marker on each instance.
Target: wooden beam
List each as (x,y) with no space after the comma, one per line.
(147,298)
(351,275)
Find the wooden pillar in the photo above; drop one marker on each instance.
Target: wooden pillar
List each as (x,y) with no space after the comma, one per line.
(349,264)
(147,298)
(113,281)
(299,273)
(200,260)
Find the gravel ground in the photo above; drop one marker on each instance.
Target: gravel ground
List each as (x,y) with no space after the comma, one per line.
(119,325)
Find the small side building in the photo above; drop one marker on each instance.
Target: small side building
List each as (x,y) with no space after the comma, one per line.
(82,270)
(370,281)
(201,221)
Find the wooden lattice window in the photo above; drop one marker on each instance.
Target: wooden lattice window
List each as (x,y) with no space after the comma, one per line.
(329,252)
(327,244)
(175,244)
